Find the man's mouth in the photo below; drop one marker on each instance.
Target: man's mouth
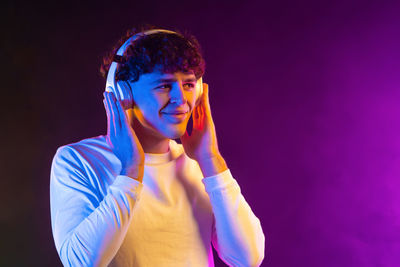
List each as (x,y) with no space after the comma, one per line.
(175,116)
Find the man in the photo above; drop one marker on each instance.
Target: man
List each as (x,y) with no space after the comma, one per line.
(136,197)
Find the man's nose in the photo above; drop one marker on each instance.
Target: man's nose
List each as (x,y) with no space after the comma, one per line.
(177,94)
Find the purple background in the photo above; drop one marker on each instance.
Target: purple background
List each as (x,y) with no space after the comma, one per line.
(305,97)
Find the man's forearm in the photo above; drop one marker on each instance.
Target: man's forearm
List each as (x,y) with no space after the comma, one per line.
(238,237)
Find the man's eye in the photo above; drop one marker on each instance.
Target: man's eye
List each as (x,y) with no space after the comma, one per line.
(189,86)
(164,87)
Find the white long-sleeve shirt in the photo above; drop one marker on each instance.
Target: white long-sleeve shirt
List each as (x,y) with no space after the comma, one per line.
(101,218)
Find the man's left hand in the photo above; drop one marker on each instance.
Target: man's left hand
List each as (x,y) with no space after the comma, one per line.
(202,144)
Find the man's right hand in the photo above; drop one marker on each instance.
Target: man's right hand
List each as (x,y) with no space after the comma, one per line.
(122,139)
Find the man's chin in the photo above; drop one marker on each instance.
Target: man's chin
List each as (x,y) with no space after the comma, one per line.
(175,133)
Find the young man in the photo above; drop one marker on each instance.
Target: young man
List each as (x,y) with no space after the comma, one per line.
(135,197)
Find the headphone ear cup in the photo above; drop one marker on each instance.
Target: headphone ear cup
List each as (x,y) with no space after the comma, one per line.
(125,93)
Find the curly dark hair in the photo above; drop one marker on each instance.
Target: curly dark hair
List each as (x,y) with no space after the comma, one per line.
(170,52)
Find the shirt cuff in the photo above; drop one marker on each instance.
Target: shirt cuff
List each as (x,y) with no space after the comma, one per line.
(220,181)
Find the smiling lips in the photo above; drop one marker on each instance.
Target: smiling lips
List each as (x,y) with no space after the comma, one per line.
(176,112)
(176,115)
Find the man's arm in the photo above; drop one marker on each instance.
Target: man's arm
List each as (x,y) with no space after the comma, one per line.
(87,229)
(238,236)
(237,233)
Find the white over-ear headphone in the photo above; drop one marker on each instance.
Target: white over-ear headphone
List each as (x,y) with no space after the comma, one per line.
(121,89)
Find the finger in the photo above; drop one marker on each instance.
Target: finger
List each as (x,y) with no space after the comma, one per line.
(111,125)
(193,117)
(117,116)
(201,112)
(115,126)
(207,109)
(201,117)
(196,117)
(123,117)
(108,114)
(206,100)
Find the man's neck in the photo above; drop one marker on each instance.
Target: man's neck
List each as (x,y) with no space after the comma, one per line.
(151,143)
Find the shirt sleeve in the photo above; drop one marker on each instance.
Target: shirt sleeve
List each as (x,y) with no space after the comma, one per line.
(87,228)
(237,233)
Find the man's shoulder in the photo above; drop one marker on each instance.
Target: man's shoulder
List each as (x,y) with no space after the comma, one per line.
(92,142)
(83,163)
(85,149)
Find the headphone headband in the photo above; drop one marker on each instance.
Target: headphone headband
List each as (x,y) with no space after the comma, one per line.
(123,92)
(110,83)
(139,35)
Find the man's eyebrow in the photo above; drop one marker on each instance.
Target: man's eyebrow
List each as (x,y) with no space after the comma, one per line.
(190,80)
(169,80)
(165,80)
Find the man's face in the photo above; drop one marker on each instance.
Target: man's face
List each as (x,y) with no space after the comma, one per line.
(163,102)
